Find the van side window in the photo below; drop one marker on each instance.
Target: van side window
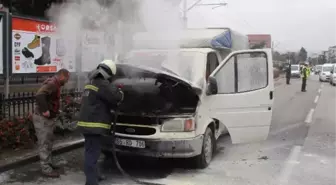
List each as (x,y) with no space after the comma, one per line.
(243,73)
(212,63)
(226,78)
(252,72)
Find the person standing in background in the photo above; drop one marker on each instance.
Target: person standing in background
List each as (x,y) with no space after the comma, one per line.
(44,117)
(304,74)
(288,74)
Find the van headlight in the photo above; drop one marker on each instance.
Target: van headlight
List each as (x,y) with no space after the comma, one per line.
(178,125)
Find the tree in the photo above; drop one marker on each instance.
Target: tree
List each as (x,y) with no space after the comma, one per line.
(302,55)
(293,57)
(280,57)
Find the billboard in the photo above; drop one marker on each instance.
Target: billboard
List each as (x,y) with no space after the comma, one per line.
(36,48)
(257,39)
(1,45)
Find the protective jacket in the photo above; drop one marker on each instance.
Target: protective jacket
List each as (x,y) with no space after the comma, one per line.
(98,99)
(305,72)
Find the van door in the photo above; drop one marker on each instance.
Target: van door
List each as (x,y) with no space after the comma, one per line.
(243,97)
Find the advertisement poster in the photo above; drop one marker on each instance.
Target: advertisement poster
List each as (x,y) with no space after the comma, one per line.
(38,49)
(96,46)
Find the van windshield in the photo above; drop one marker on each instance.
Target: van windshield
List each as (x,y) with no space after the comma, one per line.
(327,68)
(186,64)
(294,68)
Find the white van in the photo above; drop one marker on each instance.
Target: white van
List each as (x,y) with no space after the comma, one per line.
(295,71)
(180,105)
(325,72)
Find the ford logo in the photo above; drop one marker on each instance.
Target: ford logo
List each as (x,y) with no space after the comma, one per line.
(130,130)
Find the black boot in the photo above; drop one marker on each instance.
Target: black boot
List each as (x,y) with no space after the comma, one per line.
(45,57)
(25,51)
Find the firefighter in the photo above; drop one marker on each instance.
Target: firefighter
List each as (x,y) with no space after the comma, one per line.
(98,100)
(46,111)
(304,74)
(288,74)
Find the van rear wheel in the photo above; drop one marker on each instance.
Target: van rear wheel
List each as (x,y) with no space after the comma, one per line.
(203,160)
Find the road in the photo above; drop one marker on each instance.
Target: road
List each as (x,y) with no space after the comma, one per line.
(300,149)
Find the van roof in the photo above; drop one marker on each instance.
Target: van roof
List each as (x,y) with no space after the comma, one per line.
(216,38)
(200,50)
(328,64)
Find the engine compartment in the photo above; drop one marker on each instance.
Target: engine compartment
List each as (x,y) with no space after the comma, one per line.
(147,93)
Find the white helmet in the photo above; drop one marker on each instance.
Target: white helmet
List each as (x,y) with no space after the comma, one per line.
(109,65)
(106,68)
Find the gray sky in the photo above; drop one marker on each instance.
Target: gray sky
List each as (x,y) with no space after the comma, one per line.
(292,23)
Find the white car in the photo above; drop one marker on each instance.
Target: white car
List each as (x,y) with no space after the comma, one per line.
(333,76)
(325,72)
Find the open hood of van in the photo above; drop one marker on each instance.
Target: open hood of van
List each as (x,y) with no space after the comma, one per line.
(130,70)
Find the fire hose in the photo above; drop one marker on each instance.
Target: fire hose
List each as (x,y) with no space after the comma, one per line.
(114,153)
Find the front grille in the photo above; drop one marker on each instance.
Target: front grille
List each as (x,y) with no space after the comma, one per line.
(139,120)
(134,130)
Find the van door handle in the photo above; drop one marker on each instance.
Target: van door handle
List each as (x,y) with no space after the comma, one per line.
(271,95)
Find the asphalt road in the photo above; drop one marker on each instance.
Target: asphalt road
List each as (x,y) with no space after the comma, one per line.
(300,149)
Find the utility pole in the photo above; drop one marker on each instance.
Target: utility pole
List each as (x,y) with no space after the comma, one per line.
(196,3)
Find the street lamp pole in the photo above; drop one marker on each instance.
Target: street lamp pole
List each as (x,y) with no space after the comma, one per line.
(185,11)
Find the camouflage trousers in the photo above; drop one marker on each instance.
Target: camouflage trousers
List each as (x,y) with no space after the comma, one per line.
(45,134)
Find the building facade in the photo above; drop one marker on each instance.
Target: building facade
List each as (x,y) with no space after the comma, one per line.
(331,54)
(256,40)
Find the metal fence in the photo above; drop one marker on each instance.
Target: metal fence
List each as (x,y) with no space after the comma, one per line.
(22,103)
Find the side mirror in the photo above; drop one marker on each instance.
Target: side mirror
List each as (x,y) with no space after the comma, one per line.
(212,86)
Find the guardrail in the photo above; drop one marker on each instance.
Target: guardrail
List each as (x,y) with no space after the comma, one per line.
(22,103)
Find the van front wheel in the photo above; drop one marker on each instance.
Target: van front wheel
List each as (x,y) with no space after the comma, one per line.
(203,160)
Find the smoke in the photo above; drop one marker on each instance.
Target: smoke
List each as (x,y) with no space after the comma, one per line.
(106,30)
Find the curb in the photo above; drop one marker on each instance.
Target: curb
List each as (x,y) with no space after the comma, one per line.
(33,157)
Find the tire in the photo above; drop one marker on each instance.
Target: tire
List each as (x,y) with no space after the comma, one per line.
(204,159)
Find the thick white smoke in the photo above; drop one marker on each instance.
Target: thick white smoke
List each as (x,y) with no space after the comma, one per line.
(102,31)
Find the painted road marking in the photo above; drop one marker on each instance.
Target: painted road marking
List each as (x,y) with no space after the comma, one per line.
(292,160)
(316,98)
(287,128)
(319,91)
(309,116)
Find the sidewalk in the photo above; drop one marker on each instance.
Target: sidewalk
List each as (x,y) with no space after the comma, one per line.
(315,161)
(10,159)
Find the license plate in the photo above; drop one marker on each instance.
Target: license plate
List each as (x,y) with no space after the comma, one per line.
(130,143)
